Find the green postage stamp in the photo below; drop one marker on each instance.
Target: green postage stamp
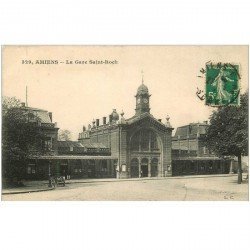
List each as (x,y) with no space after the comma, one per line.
(222,84)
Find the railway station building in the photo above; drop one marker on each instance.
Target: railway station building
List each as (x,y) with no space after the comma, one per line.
(119,147)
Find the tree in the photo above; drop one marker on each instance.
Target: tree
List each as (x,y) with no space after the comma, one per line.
(64,135)
(228,131)
(21,138)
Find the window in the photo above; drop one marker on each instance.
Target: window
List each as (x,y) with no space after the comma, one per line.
(48,144)
(123,168)
(29,170)
(205,151)
(144,140)
(193,153)
(31,117)
(154,144)
(79,169)
(135,142)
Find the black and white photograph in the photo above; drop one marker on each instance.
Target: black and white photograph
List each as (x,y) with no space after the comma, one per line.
(125,123)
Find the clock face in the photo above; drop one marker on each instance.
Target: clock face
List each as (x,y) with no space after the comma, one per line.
(145,100)
(138,101)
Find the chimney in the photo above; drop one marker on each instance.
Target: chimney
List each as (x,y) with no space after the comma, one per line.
(104,120)
(110,119)
(97,122)
(22,104)
(205,122)
(50,116)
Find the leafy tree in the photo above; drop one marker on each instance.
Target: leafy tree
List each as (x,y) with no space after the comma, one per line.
(64,135)
(22,137)
(228,131)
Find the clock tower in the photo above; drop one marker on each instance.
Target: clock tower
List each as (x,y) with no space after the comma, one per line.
(142,99)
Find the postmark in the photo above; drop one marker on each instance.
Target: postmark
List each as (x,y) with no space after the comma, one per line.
(222,84)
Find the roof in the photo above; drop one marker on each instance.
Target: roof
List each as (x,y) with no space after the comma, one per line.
(76,144)
(142,89)
(136,118)
(43,115)
(191,129)
(196,158)
(74,157)
(69,144)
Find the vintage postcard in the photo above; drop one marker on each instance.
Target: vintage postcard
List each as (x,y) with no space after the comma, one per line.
(125,123)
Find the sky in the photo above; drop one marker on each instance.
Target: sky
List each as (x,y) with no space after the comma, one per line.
(78,93)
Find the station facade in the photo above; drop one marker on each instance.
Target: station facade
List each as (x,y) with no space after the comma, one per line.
(116,147)
(141,144)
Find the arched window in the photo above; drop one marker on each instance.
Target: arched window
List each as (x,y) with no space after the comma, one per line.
(144,140)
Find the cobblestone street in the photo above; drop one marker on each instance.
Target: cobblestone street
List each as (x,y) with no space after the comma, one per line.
(216,188)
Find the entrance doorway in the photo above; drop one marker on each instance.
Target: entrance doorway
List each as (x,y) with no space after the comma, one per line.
(91,169)
(134,168)
(154,167)
(144,170)
(144,167)
(64,168)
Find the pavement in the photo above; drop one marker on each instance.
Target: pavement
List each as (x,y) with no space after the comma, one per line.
(42,185)
(194,188)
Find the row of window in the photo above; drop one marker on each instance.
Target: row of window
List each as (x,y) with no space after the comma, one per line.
(31,169)
(135,161)
(144,140)
(89,170)
(204,151)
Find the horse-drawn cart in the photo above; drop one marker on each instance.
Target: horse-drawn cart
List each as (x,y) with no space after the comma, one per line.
(56,181)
